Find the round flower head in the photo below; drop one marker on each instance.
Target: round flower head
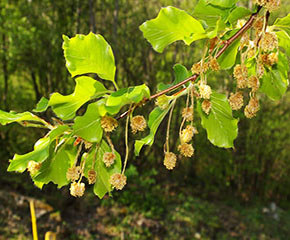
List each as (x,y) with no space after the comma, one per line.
(258,25)
(205,91)
(260,70)
(241,75)
(269,42)
(77,189)
(186,149)
(252,108)
(254,83)
(187,134)
(73,173)
(109,124)
(92,176)
(33,167)
(197,69)
(109,158)
(270,5)
(236,101)
(206,106)
(214,65)
(187,113)
(169,160)
(118,181)
(138,123)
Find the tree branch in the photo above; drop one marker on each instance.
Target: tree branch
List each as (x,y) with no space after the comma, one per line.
(227,43)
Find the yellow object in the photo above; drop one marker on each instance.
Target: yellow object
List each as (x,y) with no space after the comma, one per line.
(50,236)
(33,220)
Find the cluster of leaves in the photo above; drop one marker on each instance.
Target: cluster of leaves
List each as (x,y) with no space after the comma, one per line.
(62,147)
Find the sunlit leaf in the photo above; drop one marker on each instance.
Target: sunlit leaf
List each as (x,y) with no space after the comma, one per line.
(89,54)
(228,58)
(283,24)
(222,3)
(54,168)
(275,81)
(239,13)
(40,152)
(221,127)
(180,72)
(10,117)
(42,105)
(284,41)
(155,118)
(88,126)
(126,96)
(65,107)
(171,24)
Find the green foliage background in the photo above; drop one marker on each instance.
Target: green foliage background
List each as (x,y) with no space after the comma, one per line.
(32,65)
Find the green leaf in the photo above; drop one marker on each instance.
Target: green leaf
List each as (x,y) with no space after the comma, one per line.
(238,13)
(222,3)
(10,117)
(126,96)
(171,24)
(275,81)
(65,107)
(221,127)
(228,58)
(40,152)
(155,118)
(211,14)
(54,168)
(283,23)
(102,185)
(89,54)
(42,105)
(180,72)
(88,126)
(284,41)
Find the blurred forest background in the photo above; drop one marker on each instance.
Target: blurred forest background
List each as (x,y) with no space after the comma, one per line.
(242,193)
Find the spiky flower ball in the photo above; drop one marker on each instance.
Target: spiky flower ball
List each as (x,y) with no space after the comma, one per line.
(187,113)
(92,176)
(33,167)
(254,83)
(269,42)
(138,123)
(270,5)
(187,134)
(236,101)
(118,181)
(109,124)
(73,173)
(77,189)
(169,160)
(258,25)
(252,108)
(241,75)
(214,65)
(186,149)
(205,91)
(109,158)
(198,69)
(206,106)
(260,70)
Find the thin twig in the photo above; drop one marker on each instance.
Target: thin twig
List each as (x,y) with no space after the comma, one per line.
(227,43)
